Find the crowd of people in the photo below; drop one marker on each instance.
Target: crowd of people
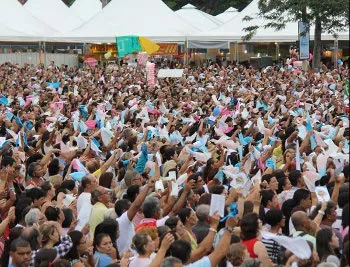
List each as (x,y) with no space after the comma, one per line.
(225,166)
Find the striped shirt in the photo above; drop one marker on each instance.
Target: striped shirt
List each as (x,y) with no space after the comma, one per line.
(273,248)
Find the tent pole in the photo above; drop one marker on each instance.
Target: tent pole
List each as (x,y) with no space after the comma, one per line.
(229,51)
(186,51)
(44,47)
(236,52)
(40,52)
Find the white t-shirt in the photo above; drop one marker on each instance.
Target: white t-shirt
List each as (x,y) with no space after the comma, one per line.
(83,210)
(83,199)
(127,231)
(140,262)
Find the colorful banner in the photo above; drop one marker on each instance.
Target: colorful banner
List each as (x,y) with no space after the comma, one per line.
(304,40)
(127,45)
(167,49)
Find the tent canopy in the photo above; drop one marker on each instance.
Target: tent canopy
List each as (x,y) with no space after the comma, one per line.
(151,18)
(55,13)
(8,34)
(233,30)
(227,15)
(198,18)
(24,21)
(86,9)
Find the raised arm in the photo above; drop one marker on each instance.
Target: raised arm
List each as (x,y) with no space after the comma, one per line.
(136,205)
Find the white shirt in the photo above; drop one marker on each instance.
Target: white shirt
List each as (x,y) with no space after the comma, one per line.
(83,210)
(126,232)
(291,192)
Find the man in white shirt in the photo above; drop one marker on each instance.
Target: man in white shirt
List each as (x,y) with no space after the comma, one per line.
(84,206)
(126,213)
(297,181)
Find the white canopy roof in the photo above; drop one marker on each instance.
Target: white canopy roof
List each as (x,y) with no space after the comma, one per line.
(228,14)
(16,17)
(198,18)
(151,18)
(55,13)
(233,29)
(8,34)
(86,9)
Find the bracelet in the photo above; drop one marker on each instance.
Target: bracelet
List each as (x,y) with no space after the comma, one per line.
(321,212)
(213,230)
(230,229)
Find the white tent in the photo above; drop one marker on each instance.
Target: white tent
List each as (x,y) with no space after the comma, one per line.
(16,17)
(151,18)
(227,15)
(198,18)
(55,13)
(233,30)
(8,34)
(86,9)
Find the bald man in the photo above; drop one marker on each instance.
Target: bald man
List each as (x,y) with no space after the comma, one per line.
(302,225)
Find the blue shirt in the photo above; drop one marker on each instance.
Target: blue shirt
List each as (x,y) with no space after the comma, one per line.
(102,259)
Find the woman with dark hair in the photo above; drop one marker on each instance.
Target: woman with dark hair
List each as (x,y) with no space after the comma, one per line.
(49,190)
(284,185)
(189,219)
(326,243)
(80,249)
(106,180)
(111,228)
(212,167)
(104,251)
(249,232)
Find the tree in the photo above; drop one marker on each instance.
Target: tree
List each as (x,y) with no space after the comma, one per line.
(329,16)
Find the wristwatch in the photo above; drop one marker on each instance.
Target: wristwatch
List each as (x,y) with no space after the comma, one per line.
(230,229)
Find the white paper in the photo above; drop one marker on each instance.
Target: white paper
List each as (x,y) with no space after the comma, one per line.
(81,141)
(190,139)
(174,189)
(257,178)
(182,179)
(106,136)
(217,204)
(321,161)
(159,185)
(261,126)
(248,184)
(68,199)
(245,114)
(172,175)
(322,194)
(159,159)
(172,73)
